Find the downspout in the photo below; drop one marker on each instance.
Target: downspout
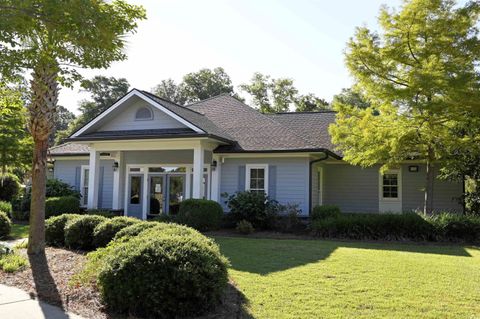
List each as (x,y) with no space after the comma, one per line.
(310,180)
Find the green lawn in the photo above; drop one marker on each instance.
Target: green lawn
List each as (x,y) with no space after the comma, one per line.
(19,231)
(326,279)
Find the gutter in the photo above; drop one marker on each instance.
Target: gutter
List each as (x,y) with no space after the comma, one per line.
(310,179)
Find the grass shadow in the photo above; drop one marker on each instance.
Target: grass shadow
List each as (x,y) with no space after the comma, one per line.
(45,286)
(265,256)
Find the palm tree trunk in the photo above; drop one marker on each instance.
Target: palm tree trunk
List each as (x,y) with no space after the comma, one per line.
(428,204)
(44,87)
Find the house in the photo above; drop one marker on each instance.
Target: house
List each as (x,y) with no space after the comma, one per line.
(145,154)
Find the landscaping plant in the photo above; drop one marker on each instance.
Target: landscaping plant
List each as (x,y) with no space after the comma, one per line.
(325,211)
(79,231)
(256,208)
(245,227)
(6,207)
(62,205)
(135,229)
(106,230)
(55,229)
(201,214)
(5,225)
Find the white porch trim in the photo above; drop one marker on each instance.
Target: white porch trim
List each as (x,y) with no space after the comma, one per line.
(93,179)
(139,94)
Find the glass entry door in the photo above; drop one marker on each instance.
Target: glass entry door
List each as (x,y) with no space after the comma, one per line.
(176,192)
(166,191)
(157,195)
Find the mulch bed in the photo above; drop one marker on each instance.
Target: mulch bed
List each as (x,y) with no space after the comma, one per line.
(48,280)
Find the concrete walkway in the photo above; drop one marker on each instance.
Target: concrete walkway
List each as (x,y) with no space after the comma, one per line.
(17,304)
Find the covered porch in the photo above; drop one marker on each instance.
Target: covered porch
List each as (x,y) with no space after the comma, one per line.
(152,177)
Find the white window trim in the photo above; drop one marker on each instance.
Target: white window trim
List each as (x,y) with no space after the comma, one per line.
(135,118)
(248,168)
(380,188)
(83,168)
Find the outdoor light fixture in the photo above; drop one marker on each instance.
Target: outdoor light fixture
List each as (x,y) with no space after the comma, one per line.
(115,166)
(413,168)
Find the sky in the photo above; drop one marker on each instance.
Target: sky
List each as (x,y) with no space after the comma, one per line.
(299,39)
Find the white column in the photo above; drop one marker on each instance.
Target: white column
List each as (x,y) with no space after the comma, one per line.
(216,174)
(118,181)
(188,186)
(198,159)
(94,172)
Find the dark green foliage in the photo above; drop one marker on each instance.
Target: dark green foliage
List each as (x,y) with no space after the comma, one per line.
(5,225)
(55,229)
(256,208)
(57,188)
(452,227)
(106,231)
(288,220)
(135,229)
(9,187)
(201,214)
(20,215)
(79,231)
(410,226)
(172,271)
(164,218)
(244,227)
(6,207)
(325,211)
(55,206)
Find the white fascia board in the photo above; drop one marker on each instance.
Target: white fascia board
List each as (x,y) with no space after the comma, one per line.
(139,94)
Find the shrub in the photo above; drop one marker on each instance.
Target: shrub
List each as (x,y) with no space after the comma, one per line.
(408,226)
(244,227)
(256,208)
(9,187)
(453,227)
(101,212)
(79,231)
(164,218)
(135,229)
(11,261)
(162,273)
(6,207)
(5,225)
(57,188)
(106,230)
(55,206)
(325,211)
(20,215)
(55,229)
(288,220)
(201,214)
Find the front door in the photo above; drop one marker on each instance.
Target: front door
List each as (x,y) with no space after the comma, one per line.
(157,195)
(135,196)
(176,192)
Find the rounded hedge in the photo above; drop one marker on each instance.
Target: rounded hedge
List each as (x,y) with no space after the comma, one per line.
(201,214)
(9,187)
(79,231)
(6,207)
(135,229)
(55,206)
(106,230)
(55,229)
(5,225)
(163,273)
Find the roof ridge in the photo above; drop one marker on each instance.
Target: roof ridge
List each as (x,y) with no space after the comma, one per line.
(209,98)
(168,101)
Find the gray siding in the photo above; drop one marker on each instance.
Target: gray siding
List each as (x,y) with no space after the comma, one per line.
(291,178)
(65,170)
(351,188)
(126,119)
(445,193)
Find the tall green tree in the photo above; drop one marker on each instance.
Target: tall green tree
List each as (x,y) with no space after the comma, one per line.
(171,91)
(63,118)
(15,142)
(310,103)
(205,83)
(271,95)
(47,38)
(351,96)
(104,91)
(420,75)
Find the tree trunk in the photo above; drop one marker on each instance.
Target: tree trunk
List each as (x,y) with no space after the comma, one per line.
(44,88)
(428,204)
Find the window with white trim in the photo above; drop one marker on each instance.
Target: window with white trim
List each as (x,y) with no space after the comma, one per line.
(390,185)
(144,113)
(257,178)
